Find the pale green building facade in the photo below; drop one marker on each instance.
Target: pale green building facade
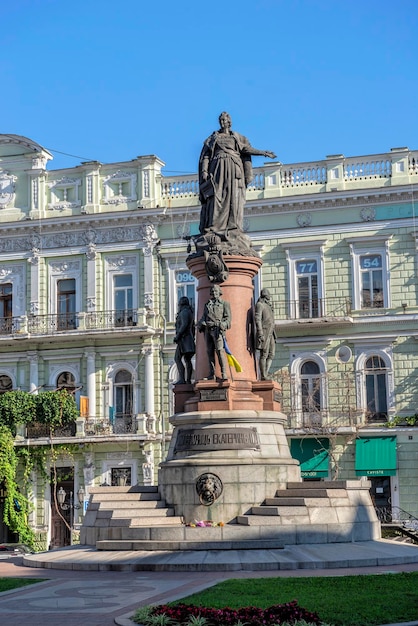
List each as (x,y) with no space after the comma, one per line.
(93,261)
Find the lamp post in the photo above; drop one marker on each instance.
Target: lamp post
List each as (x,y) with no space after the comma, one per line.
(61,497)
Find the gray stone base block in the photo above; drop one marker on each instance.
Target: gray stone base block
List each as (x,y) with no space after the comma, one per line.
(250,469)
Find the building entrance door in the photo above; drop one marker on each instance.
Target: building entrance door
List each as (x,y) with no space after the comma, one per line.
(380,491)
(61,518)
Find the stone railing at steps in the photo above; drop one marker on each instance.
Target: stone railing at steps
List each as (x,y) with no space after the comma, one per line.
(335,173)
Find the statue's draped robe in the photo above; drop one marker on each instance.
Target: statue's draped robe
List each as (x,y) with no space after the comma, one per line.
(226,158)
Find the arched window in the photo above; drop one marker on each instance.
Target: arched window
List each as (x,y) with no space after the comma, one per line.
(66,381)
(123,401)
(6,383)
(310,377)
(376,389)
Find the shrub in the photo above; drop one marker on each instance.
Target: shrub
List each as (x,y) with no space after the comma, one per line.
(288,613)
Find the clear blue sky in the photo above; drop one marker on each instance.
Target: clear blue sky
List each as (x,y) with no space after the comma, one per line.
(109,80)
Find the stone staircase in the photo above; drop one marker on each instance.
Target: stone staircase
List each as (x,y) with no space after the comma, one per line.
(136,518)
(115,512)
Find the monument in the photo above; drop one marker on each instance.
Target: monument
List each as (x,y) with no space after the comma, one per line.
(229,462)
(228,426)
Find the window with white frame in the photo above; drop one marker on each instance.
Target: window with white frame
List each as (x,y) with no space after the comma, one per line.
(371,275)
(121,296)
(6,300)
(186,286)
(371,281)
(310,378)
(308,389)
(307,288)
(123,402)
(66,304)
(65,292)
(123,300)
(375,374)
(375,383)
(181,282)
(306,280)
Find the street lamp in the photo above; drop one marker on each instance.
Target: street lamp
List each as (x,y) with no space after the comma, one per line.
(61,497)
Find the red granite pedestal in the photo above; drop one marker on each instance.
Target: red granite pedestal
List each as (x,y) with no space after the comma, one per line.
(242,390)
(234,428)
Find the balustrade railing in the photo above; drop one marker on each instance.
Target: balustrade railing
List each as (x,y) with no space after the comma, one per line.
(312,308)
(379,168)
(303,175)
(119,425)
(50,324)
(37,430)
(112,319)
(180,187)
(413,165)
(319,176)
(8,325)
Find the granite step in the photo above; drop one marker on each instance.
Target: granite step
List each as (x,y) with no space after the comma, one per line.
(302,493)
(152,545)
(127,489)
(279,510)
(322,484)
(136,514)
(259,520)
(125,496)
(137,522)
(282,501)
(129,505)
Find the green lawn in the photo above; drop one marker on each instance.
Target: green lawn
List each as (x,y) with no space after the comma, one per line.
(341,600)
(6,584)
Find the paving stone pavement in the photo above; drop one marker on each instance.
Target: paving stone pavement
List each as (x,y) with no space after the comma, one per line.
(102,598)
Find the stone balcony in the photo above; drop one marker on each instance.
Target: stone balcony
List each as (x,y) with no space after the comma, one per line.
(137,426)
(313,312)
(80,323)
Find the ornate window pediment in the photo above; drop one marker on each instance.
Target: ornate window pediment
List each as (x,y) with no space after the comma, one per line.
(64,193)
(119,187)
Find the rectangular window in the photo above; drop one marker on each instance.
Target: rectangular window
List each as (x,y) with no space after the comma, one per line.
(185,286)
(371,275)
(307,287)
(123,300)
(121,477)
(6,308)
(66,304)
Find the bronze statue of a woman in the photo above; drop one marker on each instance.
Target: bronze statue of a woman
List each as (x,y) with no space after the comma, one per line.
(224,173)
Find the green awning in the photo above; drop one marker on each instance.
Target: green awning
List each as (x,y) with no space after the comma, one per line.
(376,456)
(312,455)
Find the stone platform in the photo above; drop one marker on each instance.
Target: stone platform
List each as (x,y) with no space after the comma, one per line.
(319,556)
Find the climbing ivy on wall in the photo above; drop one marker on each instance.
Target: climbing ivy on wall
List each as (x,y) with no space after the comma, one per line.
(53,408)
(16,505)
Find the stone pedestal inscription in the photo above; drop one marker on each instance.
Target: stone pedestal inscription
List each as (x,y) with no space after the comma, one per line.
(217,439)
(209,395)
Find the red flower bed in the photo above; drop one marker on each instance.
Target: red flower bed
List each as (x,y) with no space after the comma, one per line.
(251,615)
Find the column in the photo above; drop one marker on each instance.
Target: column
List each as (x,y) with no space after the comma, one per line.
(150,239)
(33,359)
(91,254)
(91,381)
(148,352)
